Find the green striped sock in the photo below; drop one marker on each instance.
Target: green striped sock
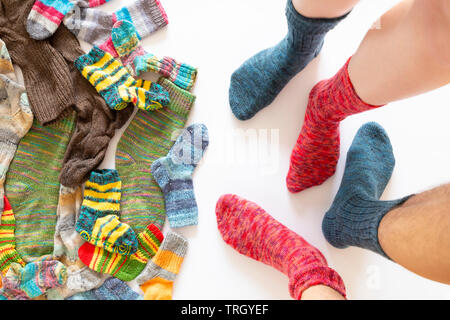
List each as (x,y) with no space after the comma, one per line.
(32,186)
(149,137)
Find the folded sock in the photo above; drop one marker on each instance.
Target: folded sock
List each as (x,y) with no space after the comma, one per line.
(251,231)
(112,289)
(158,277)
(316,152)
(256,83)
(173,173)
(123,267)
(126,42)
(356,212)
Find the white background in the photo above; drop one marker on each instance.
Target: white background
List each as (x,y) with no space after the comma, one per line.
(217,36)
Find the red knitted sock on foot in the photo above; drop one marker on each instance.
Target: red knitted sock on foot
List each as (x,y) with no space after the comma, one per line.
(316,152)
(251,231)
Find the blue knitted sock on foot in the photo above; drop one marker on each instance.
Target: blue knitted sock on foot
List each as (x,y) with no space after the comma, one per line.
(173,174)
(356,212)
(261,78)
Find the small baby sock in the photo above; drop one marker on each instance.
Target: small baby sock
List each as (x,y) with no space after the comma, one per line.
(34,279)
(251,231)
(126,42)
(123,267)
(256,83)
(173,173)
(160,273)
(98,222)
(356,212)
(316,152)
(112,289)
(46,16)
(8,253)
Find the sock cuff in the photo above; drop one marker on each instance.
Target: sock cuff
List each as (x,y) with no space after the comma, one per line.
(93,56)
(181,101)
(175,243)
(104,176)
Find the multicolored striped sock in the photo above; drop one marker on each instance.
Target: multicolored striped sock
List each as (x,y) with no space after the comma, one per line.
(112,289)
(8,253)
(33,280)
(127,44)
(32,185)
(149,136)
(95,26)
(316,152)
(46,16)
(115,84)
(157,279)
(173,173)
(99,222)
(251,231)
(123,267)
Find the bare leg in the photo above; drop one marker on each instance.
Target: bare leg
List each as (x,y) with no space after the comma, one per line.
(321,292)
(407,56)
(416,235)
(323,8)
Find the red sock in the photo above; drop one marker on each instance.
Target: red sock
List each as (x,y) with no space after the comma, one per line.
(251,231)
(316,153)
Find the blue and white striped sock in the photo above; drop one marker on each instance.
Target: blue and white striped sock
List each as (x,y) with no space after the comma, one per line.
(173,174)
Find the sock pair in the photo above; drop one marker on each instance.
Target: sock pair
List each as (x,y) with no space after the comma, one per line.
(173,173)
(114,83)
(99,222)
(46,15)
(32,280)
(123,267)
(127,45)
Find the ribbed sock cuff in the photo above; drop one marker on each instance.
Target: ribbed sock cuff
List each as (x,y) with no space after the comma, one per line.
(93,56)
(104,176)
(181,101)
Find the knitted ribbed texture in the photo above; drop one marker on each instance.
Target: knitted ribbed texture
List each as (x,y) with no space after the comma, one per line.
(127,44)
(157,278)
(46,16)
(356,212)
(316,152)
(149,136)
(95,26)
(8,253)
(33,280)
(99,218)
(123,267)
(32,186)
(251,231)
(173,173)
(112,289)
(256,83)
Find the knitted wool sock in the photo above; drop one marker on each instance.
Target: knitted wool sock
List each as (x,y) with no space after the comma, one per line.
(123,267)
(112,289)
(145,95)
(46,16)
(356,212)
(256,83)
(112,80)
(160,273)
(173,173)
(8,253)
(33,280)
(32,186)
(127,44)
(253,232)
(98,222)
(149,136)
(316,152)
(95,26)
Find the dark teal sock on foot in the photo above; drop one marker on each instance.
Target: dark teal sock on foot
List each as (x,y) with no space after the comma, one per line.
(259,79)
(356,212)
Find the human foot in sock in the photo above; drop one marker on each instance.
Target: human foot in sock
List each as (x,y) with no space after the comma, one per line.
(356,212)
(173,174)
(316,152)
(46,15)
(261,78)
(252,232)
(127,44)
(98,222)
(123,267)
